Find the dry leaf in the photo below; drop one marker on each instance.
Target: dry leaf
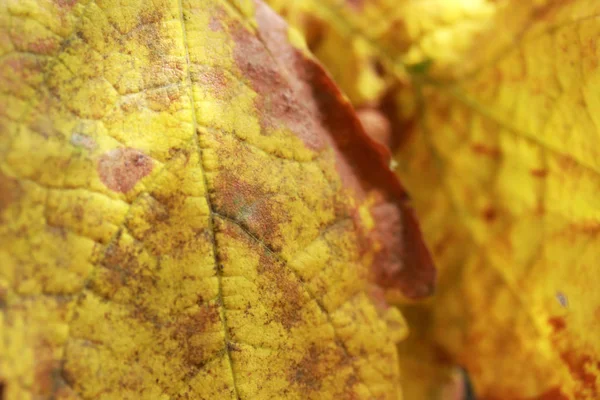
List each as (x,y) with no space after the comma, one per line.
(506,161)
(189,209)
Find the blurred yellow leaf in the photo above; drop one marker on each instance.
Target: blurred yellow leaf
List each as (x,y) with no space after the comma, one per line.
(503,167)
(496,106)
(189,209)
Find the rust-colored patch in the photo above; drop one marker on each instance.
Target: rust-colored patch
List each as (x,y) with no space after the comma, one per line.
(216,81)
(591,228)
(194,324)
(123,268)
(539,172)
(377,296)
(45,46)
(121,169)
(489,214)
(443,244)
(283,100)
(10,191)
(557,323)
(217,15)
(3,294)
(1,390)
(567,163)
(65,3)
(579,365)
(547,11)
(288,304)
(485,150)
(250,205)
(552,394)
(161,99)
(19,69)
(311,370)
(356,5)
(46,367)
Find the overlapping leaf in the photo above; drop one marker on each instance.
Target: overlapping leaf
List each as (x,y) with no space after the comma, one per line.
(500,153)
(507,162)
(190,210)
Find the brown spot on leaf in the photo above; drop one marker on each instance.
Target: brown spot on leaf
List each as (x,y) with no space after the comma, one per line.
(489,214)
(377,296)
(553,394)
(550,394)
(567,163)
(216,16)
(10,191)
(591,228)
(583,367)
(283,100)
(356,5)
(45,46)
(188,330)
(216,81)
(286,298)
(121,169)
(547,11)
(287,292)
(539,172)
(485,150)
(3,294)
(580,365)
(161,99)
(311,370)
(250,205)
(443,244)
(124,267)
(557,323)
(65,3)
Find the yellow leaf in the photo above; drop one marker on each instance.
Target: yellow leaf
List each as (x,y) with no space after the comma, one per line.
(503,167)
(186,212)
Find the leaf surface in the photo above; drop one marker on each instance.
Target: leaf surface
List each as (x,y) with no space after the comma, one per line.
(186,211)
(494,105)
(506,161)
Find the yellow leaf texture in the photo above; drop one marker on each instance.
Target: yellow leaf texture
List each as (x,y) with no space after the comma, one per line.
(498,107)
(189,209)
(507,162)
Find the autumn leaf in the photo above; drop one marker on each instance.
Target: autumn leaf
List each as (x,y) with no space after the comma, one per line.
(495,108)
(190,209)
(508,164)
